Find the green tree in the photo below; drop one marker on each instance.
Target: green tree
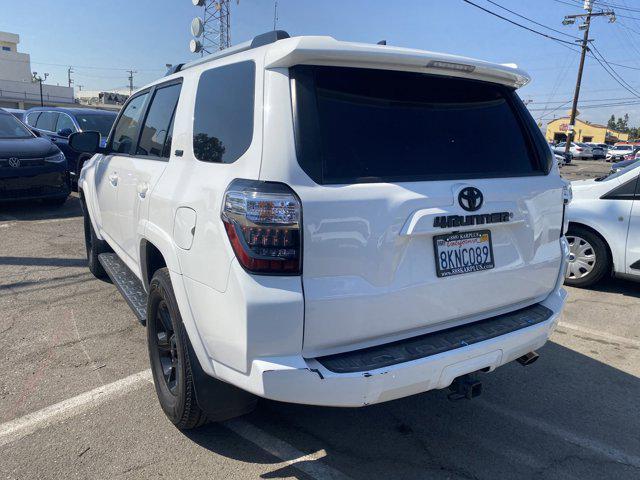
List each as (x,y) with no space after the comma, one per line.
(612,122)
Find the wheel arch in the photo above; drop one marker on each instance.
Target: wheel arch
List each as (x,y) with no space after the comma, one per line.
(593,230)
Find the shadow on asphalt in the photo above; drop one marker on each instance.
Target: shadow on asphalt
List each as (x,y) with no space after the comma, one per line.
(617,285)
(566,416)
(43,262)
(39,210)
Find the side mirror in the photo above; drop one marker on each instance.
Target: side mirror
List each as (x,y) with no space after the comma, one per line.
(85,142)
(64,132)
(36,132)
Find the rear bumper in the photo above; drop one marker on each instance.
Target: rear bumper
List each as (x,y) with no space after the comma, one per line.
(306,381)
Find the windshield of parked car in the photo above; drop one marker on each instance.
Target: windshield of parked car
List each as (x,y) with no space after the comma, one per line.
(10,127)
(96,122)
(620,147)
(358,125)
(620,172)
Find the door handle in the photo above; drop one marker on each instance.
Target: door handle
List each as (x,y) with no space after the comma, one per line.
(113,179)
(143,188)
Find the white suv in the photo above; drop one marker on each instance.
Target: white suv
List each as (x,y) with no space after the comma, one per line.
(302,219)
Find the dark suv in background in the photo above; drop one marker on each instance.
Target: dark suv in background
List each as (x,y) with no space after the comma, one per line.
(58,123)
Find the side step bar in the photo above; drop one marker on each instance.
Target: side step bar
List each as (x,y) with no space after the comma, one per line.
(129,286)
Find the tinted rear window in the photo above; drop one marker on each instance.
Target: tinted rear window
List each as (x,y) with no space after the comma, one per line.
(363,125)
(223,118)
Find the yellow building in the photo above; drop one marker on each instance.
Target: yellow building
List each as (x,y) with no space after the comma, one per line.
(584,132)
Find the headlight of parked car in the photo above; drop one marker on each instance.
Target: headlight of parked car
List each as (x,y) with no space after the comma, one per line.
(57,158)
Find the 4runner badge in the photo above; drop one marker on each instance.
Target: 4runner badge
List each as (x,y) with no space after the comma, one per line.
(451,221)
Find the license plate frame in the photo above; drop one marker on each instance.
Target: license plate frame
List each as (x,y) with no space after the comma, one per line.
(471,237)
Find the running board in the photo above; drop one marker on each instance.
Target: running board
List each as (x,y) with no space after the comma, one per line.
(129,286)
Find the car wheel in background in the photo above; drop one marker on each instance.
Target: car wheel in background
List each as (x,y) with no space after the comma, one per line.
(589,258)
(94,246)
(169,355)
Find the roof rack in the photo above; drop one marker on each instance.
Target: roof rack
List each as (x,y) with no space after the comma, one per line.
(258,41)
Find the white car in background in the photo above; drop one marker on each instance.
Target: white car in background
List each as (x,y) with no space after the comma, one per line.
(604,228)
(618,152)
(581,151)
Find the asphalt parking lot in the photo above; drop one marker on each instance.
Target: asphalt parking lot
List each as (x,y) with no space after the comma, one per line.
(76,398)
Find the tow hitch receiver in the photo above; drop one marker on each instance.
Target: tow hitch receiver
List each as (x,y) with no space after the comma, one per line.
(467,386)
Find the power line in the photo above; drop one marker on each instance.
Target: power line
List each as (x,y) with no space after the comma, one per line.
(551,37)
(613,74)
(533,21)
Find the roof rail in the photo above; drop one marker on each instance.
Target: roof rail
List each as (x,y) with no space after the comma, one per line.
(258,41)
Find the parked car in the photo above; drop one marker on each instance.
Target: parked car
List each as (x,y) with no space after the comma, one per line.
(321,165)
(16,112)
(597,152)
(604,228)
(618,152)
(30,167)
(633,153)
(566,157)
(582,151)
(58,123)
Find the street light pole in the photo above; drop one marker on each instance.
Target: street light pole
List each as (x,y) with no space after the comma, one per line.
(40,80)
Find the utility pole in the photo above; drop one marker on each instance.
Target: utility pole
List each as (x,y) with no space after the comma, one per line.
(275,15)
(584,48)
(131,72)
(69,72)
(39,79)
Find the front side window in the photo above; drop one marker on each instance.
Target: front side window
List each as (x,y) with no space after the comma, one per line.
(47,121)
(223,117)
(356,125)
(11,128)
(126,130)
(158,123)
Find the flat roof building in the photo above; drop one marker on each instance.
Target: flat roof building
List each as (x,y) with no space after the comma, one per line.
(17,87)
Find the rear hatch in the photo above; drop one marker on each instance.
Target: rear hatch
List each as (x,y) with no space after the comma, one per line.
(431,204)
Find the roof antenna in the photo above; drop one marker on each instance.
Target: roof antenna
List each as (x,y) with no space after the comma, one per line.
(382,42)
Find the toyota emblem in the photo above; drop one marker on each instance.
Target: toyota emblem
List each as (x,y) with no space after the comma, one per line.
(470,199)
(14,162)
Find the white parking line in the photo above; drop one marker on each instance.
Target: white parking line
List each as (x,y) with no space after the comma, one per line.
(14,430)
(595,446)
(32,422)
(310,464)
(598,333)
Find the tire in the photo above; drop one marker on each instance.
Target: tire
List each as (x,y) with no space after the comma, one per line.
(589,258)
(94,246)
(170,357)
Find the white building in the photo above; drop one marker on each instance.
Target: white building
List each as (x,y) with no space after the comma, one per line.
(112,99)
(17,89)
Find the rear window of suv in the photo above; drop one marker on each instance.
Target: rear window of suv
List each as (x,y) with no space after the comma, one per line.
(357,125)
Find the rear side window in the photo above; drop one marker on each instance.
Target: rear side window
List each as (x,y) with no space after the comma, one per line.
(47,121)
(223,118)
(32,118)
(159,122)
(358,125)
(126,130)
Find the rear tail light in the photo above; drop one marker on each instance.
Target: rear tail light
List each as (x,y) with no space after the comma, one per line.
(579,149)
(262,220)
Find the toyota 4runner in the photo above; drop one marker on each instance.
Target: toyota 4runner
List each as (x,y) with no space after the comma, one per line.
(327,223)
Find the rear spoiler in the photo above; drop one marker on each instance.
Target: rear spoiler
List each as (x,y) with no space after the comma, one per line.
(328,51)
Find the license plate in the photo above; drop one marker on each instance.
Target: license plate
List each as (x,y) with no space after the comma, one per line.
(465,252)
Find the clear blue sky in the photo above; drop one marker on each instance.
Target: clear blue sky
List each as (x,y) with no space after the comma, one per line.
(147,34)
